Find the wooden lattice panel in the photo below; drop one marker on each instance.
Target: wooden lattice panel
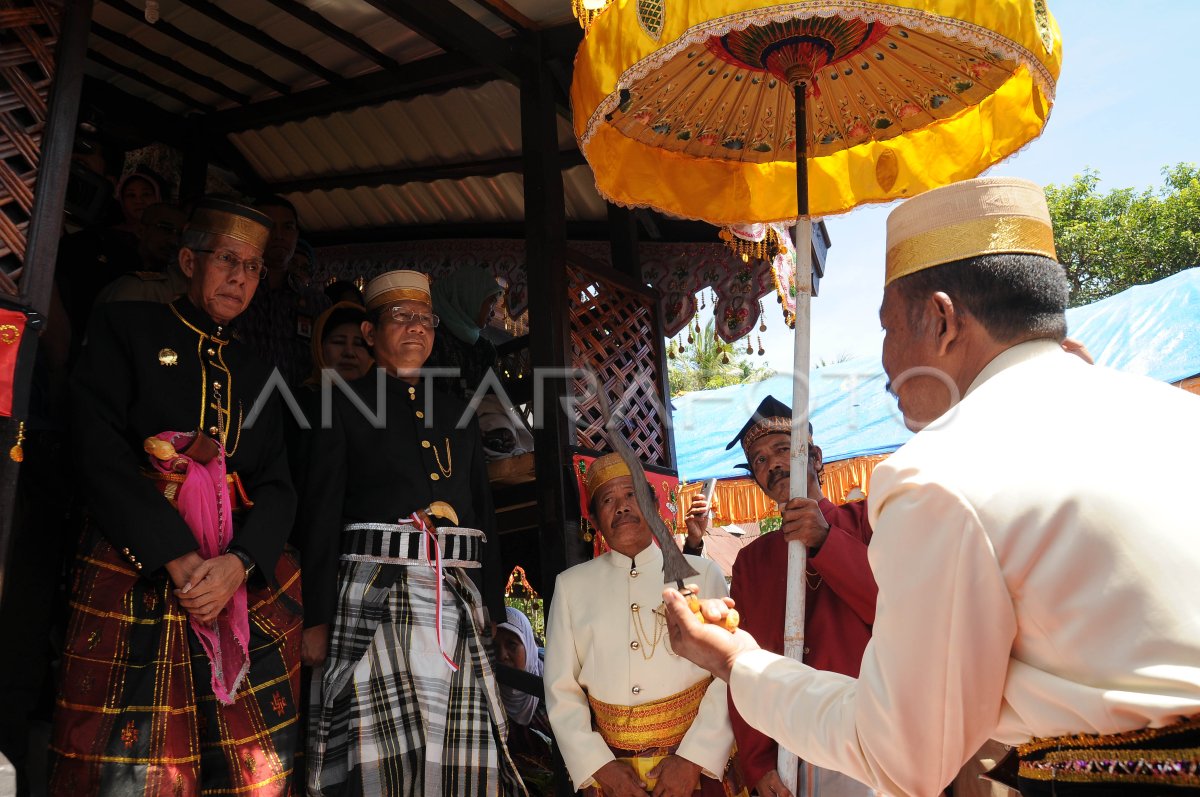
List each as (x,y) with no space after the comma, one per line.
(613,336)
(28,35)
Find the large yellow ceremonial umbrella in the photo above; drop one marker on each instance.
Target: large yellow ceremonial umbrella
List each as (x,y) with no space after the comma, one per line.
(694,108)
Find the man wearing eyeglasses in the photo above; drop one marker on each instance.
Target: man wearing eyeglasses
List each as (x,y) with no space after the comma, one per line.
(407,702)
(182,647)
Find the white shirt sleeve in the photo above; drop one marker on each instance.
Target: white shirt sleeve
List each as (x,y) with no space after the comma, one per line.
(710,739)
(932,677)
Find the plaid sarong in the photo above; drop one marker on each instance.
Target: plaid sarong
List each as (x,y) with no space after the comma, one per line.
(136,713)
(391,717)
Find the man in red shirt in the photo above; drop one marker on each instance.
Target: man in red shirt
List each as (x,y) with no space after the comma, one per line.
(839,606)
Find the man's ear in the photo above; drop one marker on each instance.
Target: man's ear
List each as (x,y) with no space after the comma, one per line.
(368,332)
(947,321)
(187,262)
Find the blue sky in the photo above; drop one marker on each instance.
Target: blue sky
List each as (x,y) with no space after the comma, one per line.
(1122,107)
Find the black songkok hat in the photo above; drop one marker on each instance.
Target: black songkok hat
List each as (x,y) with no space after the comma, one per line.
(771,417)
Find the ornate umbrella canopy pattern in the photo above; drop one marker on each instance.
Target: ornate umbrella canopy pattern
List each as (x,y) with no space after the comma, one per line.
(687,107)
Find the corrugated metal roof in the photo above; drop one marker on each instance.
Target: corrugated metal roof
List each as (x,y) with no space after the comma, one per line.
(460,126)
(357,17)
(354,16)
(475,199)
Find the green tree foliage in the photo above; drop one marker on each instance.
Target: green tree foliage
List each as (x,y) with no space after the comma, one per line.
(701,366)
(1112,241)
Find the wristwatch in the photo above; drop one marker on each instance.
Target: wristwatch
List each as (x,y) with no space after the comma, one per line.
(244,558)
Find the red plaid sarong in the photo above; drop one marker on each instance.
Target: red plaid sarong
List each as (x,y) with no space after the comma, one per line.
(136,713)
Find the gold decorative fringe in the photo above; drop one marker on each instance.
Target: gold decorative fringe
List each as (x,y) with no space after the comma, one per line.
(17,452)
(741,500)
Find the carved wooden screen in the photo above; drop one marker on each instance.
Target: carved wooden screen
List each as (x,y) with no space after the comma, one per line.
(28,35)
(614,336)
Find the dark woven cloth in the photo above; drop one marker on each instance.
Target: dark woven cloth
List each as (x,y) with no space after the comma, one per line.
(1155,762)
(136,714)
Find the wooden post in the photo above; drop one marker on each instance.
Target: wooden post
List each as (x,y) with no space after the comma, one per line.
(549,329)
(45,224)
(549,321)
(623,238)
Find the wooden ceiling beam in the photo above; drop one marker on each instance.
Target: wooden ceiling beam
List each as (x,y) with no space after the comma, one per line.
(157,124)
(343,37)
(431,75)
(454,30)
(123,106)
(167,63)
(509,14)
(129,72)
(489,167)
(202,47)
(675,232)
(253,34)
(428,76)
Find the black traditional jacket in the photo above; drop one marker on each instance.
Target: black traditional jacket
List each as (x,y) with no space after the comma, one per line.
(380,459)
(147,368)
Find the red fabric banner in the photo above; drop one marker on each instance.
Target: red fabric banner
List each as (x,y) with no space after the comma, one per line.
(12,329)
(665,489)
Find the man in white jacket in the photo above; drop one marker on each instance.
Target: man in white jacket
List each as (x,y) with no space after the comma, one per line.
(1030,591)
(629,715)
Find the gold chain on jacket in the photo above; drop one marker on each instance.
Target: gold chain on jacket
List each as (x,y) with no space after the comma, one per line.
(448,468)
(222,403)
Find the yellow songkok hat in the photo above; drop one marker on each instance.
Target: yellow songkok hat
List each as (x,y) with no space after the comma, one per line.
(239,222)
(604,469)
(987,215)
(397,286)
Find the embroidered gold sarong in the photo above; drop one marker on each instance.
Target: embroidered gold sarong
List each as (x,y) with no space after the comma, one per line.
(644,735)
(662,723)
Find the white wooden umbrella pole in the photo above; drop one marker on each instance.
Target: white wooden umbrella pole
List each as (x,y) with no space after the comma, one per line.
(793,623)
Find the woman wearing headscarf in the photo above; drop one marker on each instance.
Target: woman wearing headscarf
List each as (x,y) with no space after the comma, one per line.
(135,192)
(464,301)
(338,343)
(529,734)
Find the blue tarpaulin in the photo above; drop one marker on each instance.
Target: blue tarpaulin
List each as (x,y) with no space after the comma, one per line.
(1152,330)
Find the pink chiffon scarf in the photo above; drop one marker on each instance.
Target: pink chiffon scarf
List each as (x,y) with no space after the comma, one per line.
(203,503)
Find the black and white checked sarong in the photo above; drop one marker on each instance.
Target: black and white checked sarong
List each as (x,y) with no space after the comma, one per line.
(390,717)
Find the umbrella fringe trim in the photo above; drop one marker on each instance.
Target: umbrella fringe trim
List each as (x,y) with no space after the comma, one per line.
(789,221)
(967,32)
